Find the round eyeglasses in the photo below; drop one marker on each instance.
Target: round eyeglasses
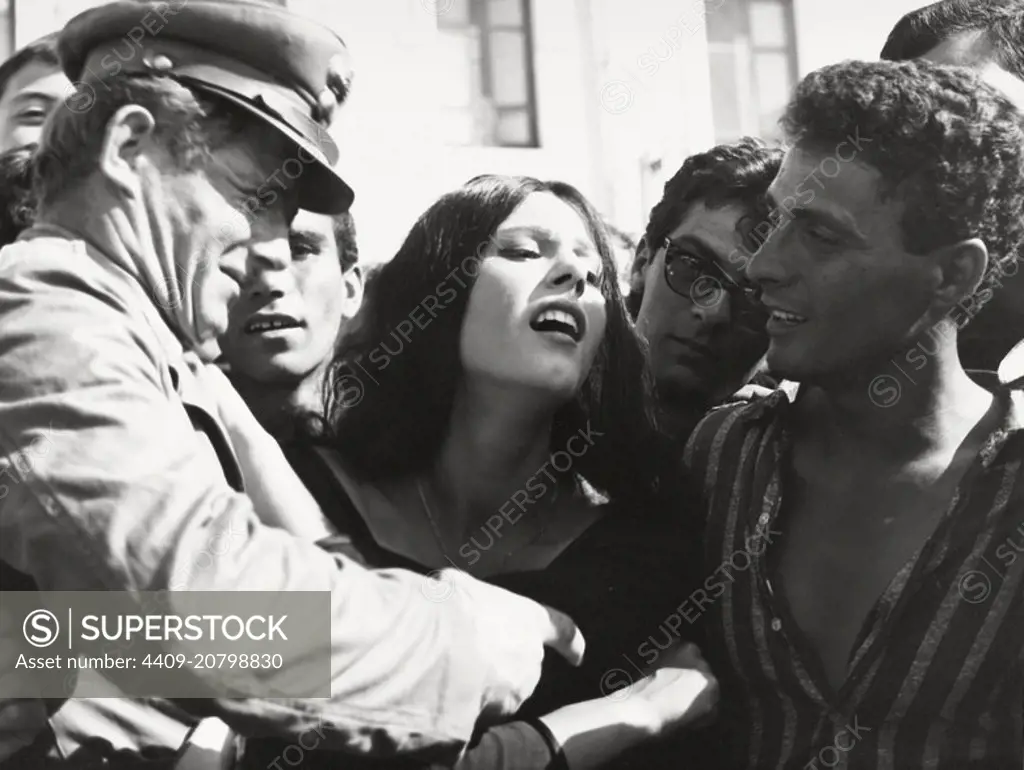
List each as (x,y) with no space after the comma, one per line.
(703,281)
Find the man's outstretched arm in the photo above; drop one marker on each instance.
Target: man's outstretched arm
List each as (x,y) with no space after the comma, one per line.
(117,490)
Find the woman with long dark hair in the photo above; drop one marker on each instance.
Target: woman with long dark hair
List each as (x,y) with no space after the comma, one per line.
(489,410)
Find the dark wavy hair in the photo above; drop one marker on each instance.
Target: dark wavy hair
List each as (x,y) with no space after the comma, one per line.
(344,228)
(42,50)
(17,202)
(1000,21)
(740,172)
(947,144)
(399,416)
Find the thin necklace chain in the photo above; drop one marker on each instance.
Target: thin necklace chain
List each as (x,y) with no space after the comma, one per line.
(440,540)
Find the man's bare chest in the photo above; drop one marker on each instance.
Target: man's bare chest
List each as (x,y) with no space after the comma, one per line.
(846,547)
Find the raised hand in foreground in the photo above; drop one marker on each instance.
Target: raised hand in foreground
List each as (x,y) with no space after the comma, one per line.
(680,691)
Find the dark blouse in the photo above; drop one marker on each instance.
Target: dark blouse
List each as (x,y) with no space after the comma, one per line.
(621,581)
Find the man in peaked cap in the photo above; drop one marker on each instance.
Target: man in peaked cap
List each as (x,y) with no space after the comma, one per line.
(194,134)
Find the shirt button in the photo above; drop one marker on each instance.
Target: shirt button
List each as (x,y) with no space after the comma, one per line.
(776,624)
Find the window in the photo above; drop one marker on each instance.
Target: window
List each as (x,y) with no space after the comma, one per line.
(485,84)
(753,65)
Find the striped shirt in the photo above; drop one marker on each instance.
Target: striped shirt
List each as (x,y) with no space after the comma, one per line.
(935,678)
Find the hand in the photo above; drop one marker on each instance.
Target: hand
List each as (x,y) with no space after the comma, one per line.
(512,632)
(681,690)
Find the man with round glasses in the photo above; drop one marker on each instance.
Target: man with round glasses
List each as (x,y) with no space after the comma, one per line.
(689,294)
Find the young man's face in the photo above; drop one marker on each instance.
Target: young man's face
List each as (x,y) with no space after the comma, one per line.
(701,351)
(843,292)
(29,98)
(286,323)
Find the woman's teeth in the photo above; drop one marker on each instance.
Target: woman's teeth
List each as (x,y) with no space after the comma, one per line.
(558,317)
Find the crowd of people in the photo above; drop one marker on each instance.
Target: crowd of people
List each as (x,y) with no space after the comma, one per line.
(742,513)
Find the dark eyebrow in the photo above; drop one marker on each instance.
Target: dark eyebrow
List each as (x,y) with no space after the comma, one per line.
(308,237)
(841,225)
(543,235)
(699,246)
(28,96)
(707,253)
(533,232)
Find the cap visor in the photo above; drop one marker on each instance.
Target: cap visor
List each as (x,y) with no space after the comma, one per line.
(321,189)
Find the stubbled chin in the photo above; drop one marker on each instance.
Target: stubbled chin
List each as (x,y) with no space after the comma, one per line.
(783,366)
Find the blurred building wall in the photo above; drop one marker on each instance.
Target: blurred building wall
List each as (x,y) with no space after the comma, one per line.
(829,31)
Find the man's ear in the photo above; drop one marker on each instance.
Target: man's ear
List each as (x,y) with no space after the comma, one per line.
(353,279)
(127,135)
(638,271)
(961,268)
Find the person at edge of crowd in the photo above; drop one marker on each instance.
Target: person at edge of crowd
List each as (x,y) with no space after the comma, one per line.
(151,203)
(887,487)
(502,424)
(988,37)
(699,313)
(31,85)
(282,331)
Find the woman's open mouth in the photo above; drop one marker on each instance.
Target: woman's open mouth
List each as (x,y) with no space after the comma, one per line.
(563,319)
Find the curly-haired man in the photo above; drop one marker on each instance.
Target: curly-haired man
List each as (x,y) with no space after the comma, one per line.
(865,595)
(688,292)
